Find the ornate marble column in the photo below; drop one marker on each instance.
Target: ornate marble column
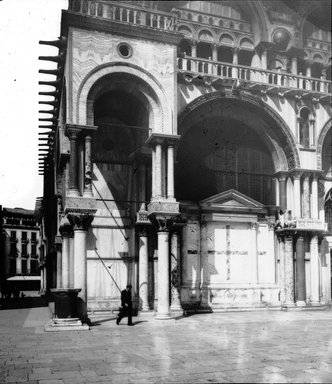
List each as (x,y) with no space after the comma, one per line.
(77,132)
(294,65)
(81,222)
(282,191)
(264,59)
(314,271)
(297,194)
(205,280)
(308,74)
(143,268)
(175,272)
(158,171)
(170,172)
(306,197)
(72,133)
(214,52)
(314,196)
(300,293)
(235,72)
(58,245)
(163,312)
(153,181)
(193,44)
(162,212)
(66,230)
(282,268)
(87,167)
(71,260)
(288,269)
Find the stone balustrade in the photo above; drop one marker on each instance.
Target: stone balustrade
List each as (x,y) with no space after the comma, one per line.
(252,75)
(125,13)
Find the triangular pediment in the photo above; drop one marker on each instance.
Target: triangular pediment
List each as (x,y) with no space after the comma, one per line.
(231,199)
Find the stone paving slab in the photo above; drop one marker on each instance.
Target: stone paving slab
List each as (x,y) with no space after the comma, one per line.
(259,347)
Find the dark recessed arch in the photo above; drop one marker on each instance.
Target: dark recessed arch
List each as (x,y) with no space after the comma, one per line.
(276,131)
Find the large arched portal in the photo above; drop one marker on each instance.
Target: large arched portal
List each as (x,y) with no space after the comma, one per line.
(231,144)
(230,151)
(125,109)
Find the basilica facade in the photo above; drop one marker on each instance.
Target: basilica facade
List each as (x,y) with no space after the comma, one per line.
(187,151)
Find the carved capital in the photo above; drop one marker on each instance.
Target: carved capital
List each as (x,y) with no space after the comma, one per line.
(65,228)
(163,223)
(142,231)
(80,221)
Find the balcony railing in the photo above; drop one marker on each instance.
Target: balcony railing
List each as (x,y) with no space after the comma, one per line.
(252,75)
(125,13)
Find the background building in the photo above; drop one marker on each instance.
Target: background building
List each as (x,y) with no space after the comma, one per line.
(187,150)
(20,252)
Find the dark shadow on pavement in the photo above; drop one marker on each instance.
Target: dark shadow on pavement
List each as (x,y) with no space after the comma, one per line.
(23,302)
(98,322)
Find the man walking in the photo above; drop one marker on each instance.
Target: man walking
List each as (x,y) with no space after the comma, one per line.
(127,305)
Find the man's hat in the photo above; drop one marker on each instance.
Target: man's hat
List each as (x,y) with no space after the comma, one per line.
(129,286)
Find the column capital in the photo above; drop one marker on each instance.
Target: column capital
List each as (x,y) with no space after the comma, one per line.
(65,227)
(297,173)
(76,129)
(281,175)
(285,234)
(80,220)
(161,139)
(163,223)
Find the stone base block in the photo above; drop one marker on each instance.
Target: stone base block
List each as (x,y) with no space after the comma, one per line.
(69,324)
(306,308)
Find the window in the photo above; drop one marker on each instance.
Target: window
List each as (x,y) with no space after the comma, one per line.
(24,250)
(33,250)
(24,235)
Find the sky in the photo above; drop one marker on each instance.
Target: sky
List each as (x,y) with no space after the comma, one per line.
(22,24)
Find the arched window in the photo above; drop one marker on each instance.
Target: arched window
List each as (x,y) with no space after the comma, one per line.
(304,127)
(185,30)
(210,20)
(205,35)
(221,23)
(189,16)
(200,19)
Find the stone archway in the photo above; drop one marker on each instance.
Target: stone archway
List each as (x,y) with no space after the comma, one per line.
(274,130)
(148,88)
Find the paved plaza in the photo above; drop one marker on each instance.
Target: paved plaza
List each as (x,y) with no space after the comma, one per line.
(278,347)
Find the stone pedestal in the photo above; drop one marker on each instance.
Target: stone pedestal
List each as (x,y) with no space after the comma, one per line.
(65,311)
